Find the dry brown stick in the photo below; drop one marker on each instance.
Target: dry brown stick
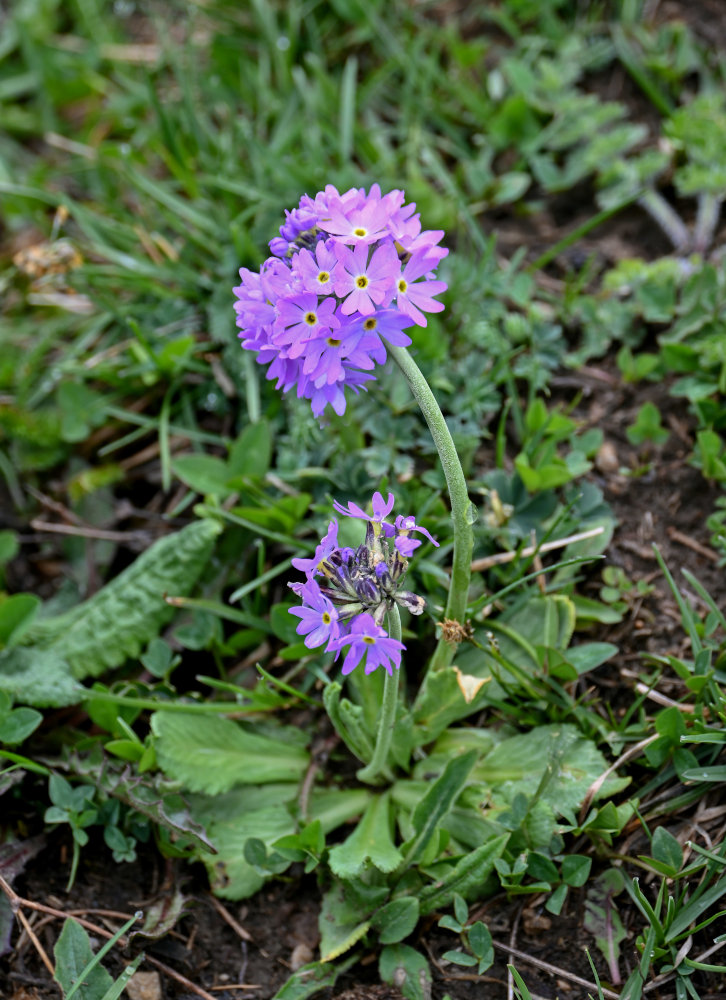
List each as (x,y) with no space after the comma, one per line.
(33,937)
(504,557)
(598,782)
(228,918)
(668,976)
(87,532)
(691,543)
(554,970)
(237,986)
(17,902)
(55,506)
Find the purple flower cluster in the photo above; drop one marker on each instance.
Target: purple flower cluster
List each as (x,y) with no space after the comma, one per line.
(348,272)
(358,587)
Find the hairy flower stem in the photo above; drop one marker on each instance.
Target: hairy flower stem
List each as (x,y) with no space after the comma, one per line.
(458,494)
(373,773)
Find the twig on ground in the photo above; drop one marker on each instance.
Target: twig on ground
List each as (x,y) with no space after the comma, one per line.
(228,918)
(504,557)
(555,970)
(17,903)
(703,550)
(33,937)
(599,781)
(656,696)
(85,531)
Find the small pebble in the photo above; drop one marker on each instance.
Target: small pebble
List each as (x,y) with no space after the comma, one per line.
(144,986)
(607,458)
(301,955)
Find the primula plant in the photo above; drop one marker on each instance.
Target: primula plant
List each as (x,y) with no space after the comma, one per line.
(348,272)
(350,278)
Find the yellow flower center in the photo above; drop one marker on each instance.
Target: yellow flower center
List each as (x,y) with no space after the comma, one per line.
(332,342)
(323,277)
(361,281)
(370,324)
(402,286)
(369,640)
(360,231)
(326,618)
(311,318)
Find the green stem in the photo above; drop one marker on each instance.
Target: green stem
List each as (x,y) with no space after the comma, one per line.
(458,494)
(387,715)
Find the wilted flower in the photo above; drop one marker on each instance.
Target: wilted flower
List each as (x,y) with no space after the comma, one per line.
(348,272)
(348,592)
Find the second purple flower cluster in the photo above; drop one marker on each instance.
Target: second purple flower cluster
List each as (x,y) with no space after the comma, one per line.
(348,592)
(348,272)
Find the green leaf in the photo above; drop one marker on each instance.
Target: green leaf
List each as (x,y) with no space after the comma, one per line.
(466,877)
(349,722)
(554,762)
(212,754)
(602,919)
(231,820)
(396,920)
(18,725)
(16,613)
(406,969)
(480,942)
(251,453)
(667,850)
(440,701)
(312,978)
(694,910)
(436,803)
(647,426)
(38,677)
(123,616)
(557,900)
(119,985)
(590,655)
(715,773)
(342,922)
(204,474)
(371,841)
(576,869)
(73,954)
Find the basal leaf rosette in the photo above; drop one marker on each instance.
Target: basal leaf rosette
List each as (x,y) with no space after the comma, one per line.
(348,274)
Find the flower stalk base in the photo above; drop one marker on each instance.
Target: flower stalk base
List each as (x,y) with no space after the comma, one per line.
(460,504)
(375,772)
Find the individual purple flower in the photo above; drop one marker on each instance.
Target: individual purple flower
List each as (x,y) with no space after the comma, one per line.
(362,283)
(321,396)
(412,294)
(316,270)
(318,617)
(401,529)
(381,509)
(328,544)
(325,359)
(366,639)
(301,319)
(386,323)
(356,225)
